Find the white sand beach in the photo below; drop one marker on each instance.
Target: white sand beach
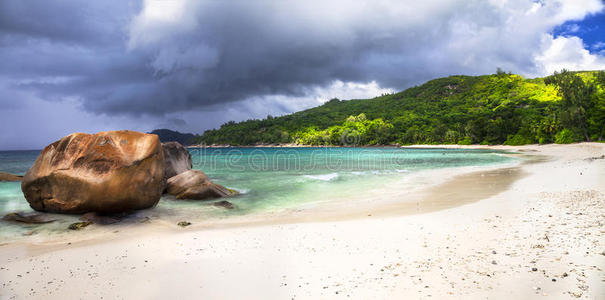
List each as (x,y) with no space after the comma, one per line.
(542,235)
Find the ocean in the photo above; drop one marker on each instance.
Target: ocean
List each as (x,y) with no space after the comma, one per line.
(273,180)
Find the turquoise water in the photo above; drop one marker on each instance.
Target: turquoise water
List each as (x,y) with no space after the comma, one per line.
(271,179)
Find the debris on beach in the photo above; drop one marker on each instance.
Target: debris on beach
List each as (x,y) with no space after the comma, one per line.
(78,225)
(183,223)
(590,159)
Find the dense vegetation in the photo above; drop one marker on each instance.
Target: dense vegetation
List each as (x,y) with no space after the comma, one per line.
(167,135)
(492,109)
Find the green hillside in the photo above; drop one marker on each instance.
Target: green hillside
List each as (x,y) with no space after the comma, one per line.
(491,109)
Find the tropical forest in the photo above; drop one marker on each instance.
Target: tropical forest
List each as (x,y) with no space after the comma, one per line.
(501,108)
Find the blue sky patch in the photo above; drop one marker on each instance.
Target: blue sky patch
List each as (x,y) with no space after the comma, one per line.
(591,30)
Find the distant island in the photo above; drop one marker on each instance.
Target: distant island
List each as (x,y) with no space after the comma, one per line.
(167,135)
(502,108)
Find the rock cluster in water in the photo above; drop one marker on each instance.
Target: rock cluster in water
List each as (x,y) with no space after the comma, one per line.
(194,184)
(185,183)
(111,172)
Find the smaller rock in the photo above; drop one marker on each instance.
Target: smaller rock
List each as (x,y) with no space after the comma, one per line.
(493,251)
(79,225)
(183,223)
(564,274)
(225,204)
(534,269)
(554,280)
(494,262)
(195,185)
(28,218)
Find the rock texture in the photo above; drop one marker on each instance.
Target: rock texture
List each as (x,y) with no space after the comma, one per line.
(107,172)
(176,159)
(195,185)
(9,177)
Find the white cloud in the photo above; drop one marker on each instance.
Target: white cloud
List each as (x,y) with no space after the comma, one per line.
(567,53)
(163,10)
(573,9)
(570,29)
(598,45)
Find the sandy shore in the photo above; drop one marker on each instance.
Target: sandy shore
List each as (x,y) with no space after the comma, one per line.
(532,231)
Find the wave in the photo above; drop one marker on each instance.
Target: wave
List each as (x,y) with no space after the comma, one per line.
(375,172)
(378,172)
(324,177)
(241,191)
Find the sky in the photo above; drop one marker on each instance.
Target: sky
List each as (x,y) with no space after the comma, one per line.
(190,65)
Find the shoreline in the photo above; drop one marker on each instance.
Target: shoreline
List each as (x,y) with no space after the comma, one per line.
(549,209)
(427,198)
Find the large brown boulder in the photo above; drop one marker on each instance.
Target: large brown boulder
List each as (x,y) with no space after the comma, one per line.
(9,177)
(107,172)
(195,185)
(177,159)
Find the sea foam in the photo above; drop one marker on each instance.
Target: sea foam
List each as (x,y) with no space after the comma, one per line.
(324,177)
(241,191)
(378,172)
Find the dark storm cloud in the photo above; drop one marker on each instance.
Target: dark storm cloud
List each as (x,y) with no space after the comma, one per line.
(60,49)
(223,51)
(67,21)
